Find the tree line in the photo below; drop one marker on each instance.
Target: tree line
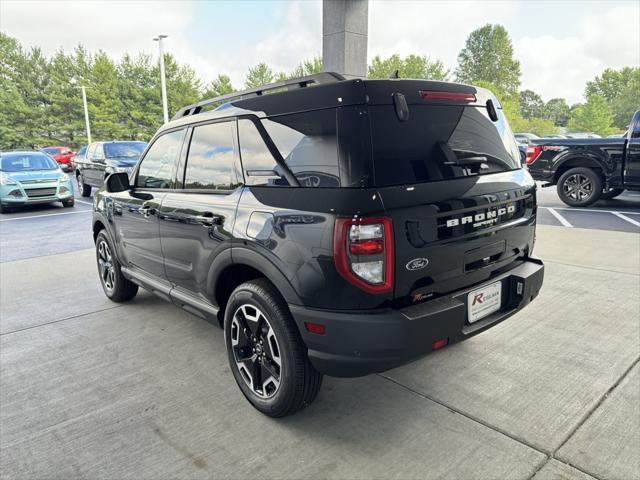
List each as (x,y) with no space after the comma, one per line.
(41,103)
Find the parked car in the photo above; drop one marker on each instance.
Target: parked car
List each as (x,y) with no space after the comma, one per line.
(28,178)
(525,137)
(343,229)
(62,155)
(79,156)
(103,158)
(582,135)
(587,170)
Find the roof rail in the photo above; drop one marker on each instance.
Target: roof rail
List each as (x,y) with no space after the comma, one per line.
(292,84)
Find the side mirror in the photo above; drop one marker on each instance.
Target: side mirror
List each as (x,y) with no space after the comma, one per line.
(117,182)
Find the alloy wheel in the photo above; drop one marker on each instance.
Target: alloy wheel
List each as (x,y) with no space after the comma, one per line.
(106,266)
(578,187)
(256,351)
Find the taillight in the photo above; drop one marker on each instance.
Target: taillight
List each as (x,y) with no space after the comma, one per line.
(438,96)
(363,252)
(533,151)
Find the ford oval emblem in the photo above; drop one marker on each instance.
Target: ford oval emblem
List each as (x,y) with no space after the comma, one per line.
(417,263)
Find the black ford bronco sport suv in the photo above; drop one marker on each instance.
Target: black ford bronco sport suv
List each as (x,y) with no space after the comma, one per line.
(331,226)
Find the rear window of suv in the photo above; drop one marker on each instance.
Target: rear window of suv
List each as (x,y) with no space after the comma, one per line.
(439,142)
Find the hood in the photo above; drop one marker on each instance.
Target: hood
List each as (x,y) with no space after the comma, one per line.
(122,162)
(42,175)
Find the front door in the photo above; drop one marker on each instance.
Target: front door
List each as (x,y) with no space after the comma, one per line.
(632,161)
(137,210)
(196,221)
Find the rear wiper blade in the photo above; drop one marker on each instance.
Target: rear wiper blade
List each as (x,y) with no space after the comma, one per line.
(469,161)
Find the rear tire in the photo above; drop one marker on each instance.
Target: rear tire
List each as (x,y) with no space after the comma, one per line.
(579,187)
(611,193)
(116,287)
(263,341)
(85,190)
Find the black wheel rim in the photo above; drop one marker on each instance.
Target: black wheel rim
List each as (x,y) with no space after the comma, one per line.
(256,351)
(106,267)
(578,187)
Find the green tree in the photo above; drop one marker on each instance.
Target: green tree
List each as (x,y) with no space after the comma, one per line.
(183,86)
(259,75)
(412,66)
(594,116)
(221,85)
(531,105)
(621,90)
(488,56)
(13,109)
(557,111)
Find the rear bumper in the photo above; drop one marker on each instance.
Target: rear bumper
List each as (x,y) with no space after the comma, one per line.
(542,175)
(359,343)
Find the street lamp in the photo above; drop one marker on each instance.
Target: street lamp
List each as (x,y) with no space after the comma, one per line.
(163,83)
(86,109)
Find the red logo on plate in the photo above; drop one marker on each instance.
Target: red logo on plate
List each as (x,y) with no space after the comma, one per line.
(478,298)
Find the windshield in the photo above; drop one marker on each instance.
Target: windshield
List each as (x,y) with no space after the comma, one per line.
(51,150)
(18,162)
(124,149)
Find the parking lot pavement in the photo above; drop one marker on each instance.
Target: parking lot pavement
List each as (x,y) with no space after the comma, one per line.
(47,229)
(90,388)
(618,214)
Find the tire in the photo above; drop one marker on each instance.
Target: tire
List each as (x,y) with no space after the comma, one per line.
(85,190)
(579,187)
(68,203)
(256,309)
(4,209)
(116,287)
(611,193)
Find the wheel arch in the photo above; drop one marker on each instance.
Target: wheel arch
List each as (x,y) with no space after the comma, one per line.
(227,273)
(578,161)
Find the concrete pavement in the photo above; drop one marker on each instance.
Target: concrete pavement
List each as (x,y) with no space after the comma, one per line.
(142,390)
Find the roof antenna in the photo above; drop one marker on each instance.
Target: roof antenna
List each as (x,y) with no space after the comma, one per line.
(395,74)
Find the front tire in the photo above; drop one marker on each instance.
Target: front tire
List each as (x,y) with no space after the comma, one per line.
(85,190)
(68,203)
(266,354)
(116,287)
(579,187)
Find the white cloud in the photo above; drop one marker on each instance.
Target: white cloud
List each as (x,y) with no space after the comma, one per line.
(560,66)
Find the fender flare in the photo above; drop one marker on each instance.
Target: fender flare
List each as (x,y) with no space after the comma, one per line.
(238,255)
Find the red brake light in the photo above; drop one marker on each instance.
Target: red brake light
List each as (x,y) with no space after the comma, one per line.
(363,253)
(316,328)
(438,344)
(533,151)
(437,96)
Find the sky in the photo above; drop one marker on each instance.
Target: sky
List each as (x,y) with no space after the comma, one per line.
(561,44)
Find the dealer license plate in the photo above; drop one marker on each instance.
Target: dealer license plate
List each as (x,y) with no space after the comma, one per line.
(484,301)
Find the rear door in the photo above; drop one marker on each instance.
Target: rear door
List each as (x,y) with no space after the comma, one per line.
(196,218)
(450,179)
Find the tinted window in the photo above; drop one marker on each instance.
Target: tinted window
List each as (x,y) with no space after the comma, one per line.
(210,163)
(156,168)
(124,149)
(307,142)
(81,151)
(16,162)
(51,150)
(439,143)
(260,168)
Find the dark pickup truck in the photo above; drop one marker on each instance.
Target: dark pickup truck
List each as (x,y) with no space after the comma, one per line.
(588,170)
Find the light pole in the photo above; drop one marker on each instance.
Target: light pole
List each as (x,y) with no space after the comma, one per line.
(86,113)
(163,83)
(86,108)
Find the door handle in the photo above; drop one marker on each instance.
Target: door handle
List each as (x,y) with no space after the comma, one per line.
(208,219)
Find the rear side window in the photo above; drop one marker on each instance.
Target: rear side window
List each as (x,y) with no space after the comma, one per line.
(157,167)
(308,143)
(211,158)
(260,168)
(439,143)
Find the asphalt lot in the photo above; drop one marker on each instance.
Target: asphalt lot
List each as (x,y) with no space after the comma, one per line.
(89,388)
